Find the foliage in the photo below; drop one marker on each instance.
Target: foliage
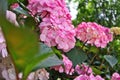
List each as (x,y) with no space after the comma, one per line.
(46,38)
(104,12)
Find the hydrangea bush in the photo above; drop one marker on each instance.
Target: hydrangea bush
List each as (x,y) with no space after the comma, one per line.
(39,34)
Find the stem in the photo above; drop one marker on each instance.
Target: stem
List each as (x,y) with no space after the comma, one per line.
(91,62)
(83,44)
(101,64)
(93,59)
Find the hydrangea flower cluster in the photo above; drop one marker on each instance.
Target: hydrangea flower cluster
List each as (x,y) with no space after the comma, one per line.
(3,49)
(93,34)
(89,77)
(56,27)
(67,66)
(83,69)
(85,73)
(115,76)
(11,17)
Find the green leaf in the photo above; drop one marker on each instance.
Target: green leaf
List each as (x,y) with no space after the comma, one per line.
(94,49)
(77,56)
(34,63)
(111,60)
(52,60)
(45,58)
(22,43)
(13,1)
(30,23)
(23,47)
(96,71)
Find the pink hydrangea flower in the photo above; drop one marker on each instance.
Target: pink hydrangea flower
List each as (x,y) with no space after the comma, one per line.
(56,27)
(63,39)
(92,77)
(82,77)
(88,77)
(94,34)
(67,66)
(83,69)
(11,17)
(3,49)
(14,6)
(115,76)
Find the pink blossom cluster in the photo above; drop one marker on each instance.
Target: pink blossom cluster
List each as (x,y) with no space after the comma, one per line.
(66,67)
(3,49)
(115,76)
(94,34)
(11,16)
(89,77)
(83,69)
(14,6)
(85,73)
(56,28)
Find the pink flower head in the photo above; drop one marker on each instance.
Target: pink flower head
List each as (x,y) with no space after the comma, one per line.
(115,76)
(56,27)
(93,34)
(11,17)
(83,69)
(67,66)
(82,77)
(92,77)
(3,49)
(14,6)
(88,77)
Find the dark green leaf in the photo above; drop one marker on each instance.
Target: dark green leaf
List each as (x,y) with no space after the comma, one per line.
(30,23)
(52,59)
(77,56)
(13,1)
(111,60)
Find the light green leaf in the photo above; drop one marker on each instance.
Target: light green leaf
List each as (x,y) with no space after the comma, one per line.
(96,71)
(94,49)
(111,60)
(22,43)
